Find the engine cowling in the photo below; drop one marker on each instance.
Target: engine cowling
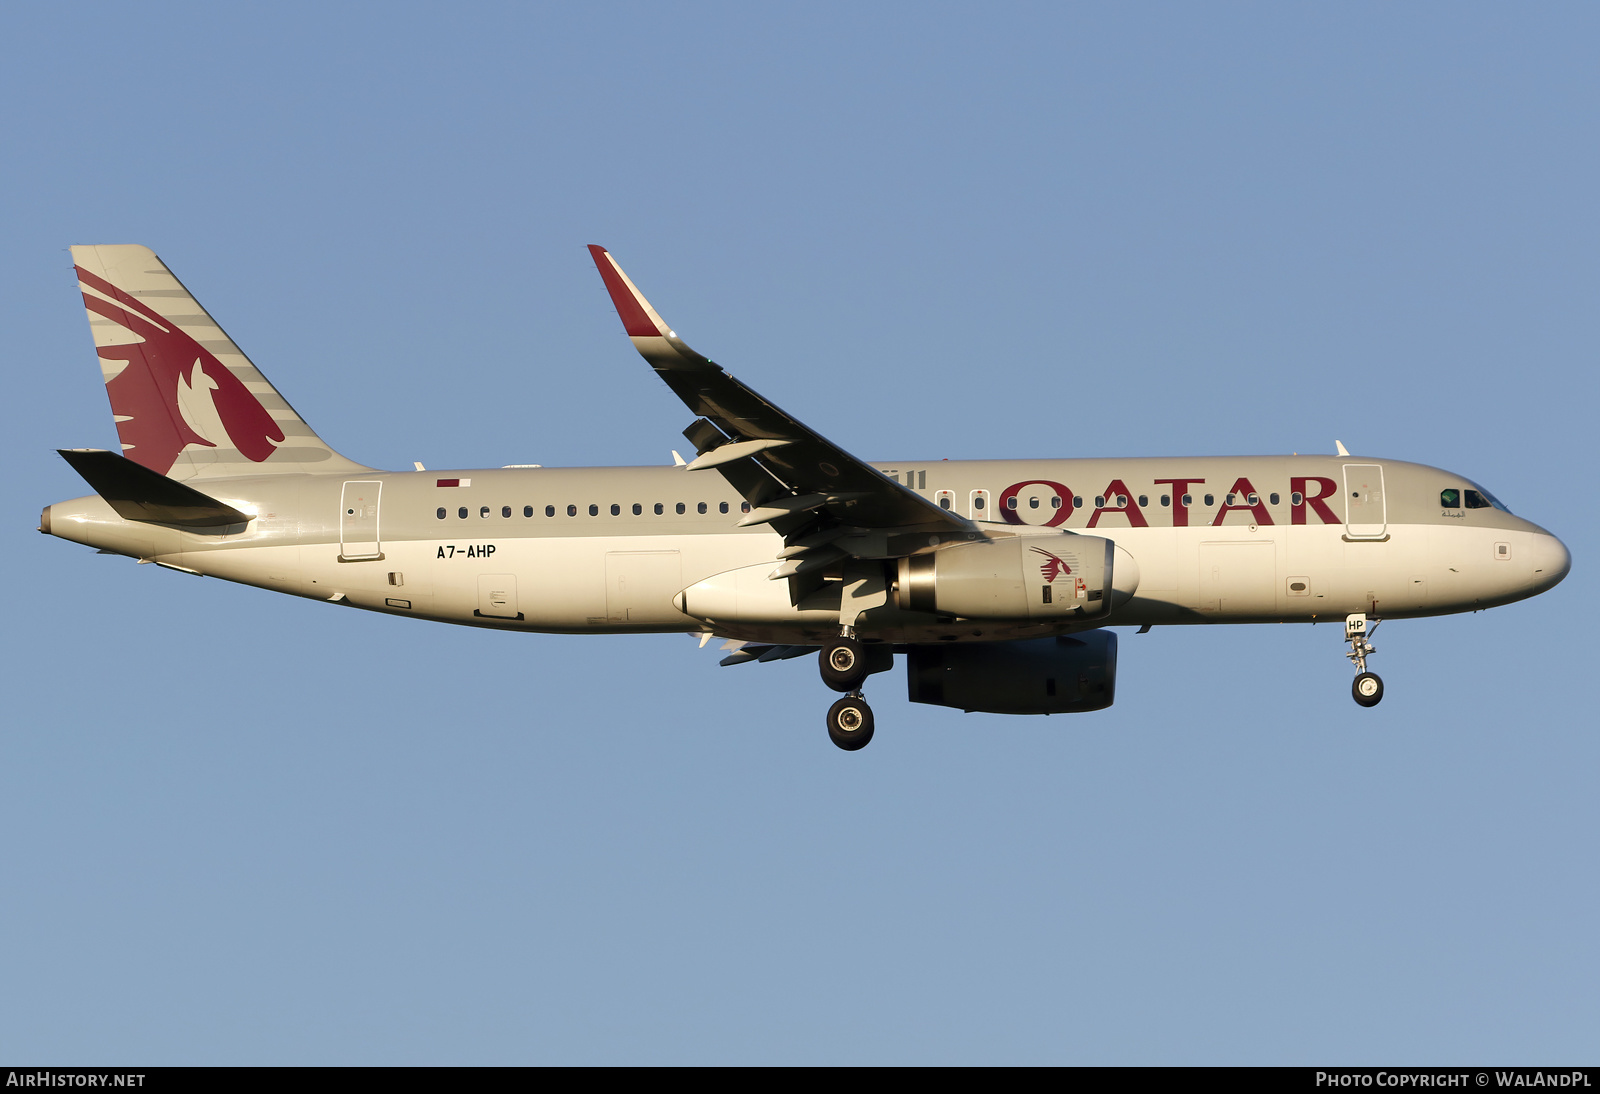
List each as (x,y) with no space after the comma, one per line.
(1020,577)
(1068,675)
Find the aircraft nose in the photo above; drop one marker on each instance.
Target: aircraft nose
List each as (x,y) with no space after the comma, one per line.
(1551,561)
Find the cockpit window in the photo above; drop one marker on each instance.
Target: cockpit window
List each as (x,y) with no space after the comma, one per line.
(1494,501)
(1450,499)
(1474,498)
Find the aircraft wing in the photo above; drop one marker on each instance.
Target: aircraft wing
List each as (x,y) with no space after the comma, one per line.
(803,484)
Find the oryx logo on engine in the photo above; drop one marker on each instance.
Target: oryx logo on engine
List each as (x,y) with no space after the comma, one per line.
(1053,567)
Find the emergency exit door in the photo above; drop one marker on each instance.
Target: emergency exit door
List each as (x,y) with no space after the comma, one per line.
(358,521)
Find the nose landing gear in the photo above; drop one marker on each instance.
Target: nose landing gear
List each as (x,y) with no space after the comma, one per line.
(1368,686)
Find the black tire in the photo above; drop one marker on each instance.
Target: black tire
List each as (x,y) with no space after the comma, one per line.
(1367,689)
(850,723)
(843,664)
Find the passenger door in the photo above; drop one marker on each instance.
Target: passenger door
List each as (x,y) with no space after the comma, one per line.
(1366,513)
(358,521)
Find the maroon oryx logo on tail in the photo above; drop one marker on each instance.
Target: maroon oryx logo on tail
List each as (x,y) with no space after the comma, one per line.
(145,397)
(1052,567)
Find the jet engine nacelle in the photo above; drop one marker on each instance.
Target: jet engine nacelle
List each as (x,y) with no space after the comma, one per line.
(1021,577)
(1068,675)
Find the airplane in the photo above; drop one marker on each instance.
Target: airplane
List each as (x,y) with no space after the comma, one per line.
(996,581)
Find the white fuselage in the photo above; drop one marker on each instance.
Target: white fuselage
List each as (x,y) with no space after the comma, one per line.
(564,549)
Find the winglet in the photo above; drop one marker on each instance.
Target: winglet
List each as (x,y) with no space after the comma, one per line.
(656,342)
(639,319)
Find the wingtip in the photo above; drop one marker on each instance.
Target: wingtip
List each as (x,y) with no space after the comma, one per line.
(630,305)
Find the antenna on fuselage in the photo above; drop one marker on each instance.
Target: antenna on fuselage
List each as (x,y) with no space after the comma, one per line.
(1342,450)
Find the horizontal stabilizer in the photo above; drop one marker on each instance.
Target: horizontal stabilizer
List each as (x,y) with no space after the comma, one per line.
(138,493)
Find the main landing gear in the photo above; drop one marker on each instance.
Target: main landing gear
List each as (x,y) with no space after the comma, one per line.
(844,664)
(1368,686)
(844,668)
(850,723)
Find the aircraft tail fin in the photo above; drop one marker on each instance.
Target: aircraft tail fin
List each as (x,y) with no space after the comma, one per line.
(187,402)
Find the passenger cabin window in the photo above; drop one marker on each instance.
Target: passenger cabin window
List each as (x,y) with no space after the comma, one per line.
(549,510)
(723,508)
(660,509)
(594,510)
(462,512)
(527,510)
(1450,499)
(701,508)
(1055,501)
(944,501)
(1297,498)
(572,510)
(441,514)
(977,501)
(680,508)
(1211,499)
(1144,500)
(484,511)
(1273,498)
(1100,502)
(505,510)
(1011,503)
(616,510)
(1166,500)
(744,507)
(1077,503)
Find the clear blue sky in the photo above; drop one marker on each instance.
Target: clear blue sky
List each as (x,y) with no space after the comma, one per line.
(241,828)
